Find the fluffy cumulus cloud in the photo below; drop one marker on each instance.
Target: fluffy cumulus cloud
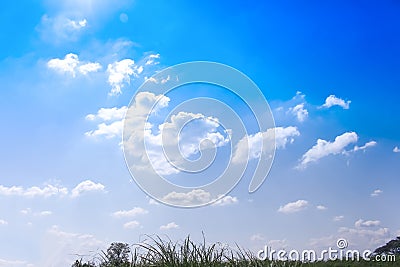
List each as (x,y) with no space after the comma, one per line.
(338,218)
(108,114)
(369,223)
(34,191)
(130,213)
(111,122)
(87,186)
(321,207)
(325,148)
(194,197)
(250,147)
(377,192)
(299,111)
(119,74)
(3,222)
(396,149)
(152,59)
(293,207)
(71,64)
(131,225)
(184,130)
(225,201)
(366,236)
(332,100)
(364,147)
(169,226)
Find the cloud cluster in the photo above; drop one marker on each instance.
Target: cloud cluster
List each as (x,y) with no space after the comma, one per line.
(369,223)
(194,197)
(293,207)
(225,201)
(111,122)
(325,148)
(87,186)
(51,190)
(332,100)
(169,226)
(185,130)
(130,213)
(300,112)
(120,72)
(71,64)
(250,147)
(377,192)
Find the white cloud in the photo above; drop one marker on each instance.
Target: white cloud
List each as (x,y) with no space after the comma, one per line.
(45,213)
(338,218)
(86,186)
(321,207)
(89,67)
(257,238)
(119,74)
(364,147)
(359,238)
(169,226)
(60,247)
(225,201)
(28,211)
(71,63)
(68,64)
(77,25)
(60,28)
(332,100)
(34,191)
(364,237)
(131,225)
(3,222)
(396,150)
(324,148)
(153,202)
(293,207)
(361,223)
(376,193)
(191,130)
(111,130)
(108,114)
(299,111)
(151,59)
(130,213)
(114,118)
(194,197)
(253,143)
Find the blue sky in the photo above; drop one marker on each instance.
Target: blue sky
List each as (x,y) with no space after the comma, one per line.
(70,68)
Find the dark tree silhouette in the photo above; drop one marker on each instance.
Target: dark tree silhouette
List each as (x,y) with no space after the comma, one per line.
(392,247)
(117,255)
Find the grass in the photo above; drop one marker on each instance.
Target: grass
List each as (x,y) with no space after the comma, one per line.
(155,251)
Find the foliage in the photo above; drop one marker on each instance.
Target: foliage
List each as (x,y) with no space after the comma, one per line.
(392,247)
(155,251)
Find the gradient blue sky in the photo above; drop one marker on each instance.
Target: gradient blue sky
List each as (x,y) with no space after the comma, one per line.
(65,189)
